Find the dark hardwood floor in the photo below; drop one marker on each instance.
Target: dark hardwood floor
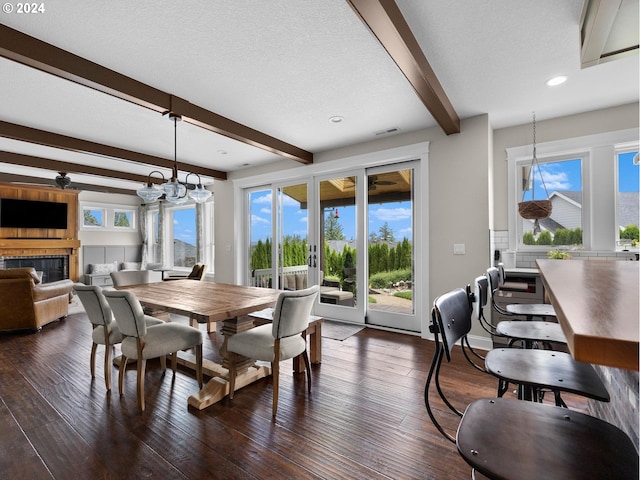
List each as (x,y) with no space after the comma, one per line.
(365,418)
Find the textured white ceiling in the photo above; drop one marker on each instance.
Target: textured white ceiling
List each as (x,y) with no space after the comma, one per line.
(284,67)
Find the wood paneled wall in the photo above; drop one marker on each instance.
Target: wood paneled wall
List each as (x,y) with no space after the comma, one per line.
(43,241)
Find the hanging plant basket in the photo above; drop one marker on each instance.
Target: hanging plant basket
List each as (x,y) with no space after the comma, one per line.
(535,209)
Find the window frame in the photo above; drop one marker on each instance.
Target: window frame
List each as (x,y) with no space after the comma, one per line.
(132,211)
(108,217)
(599,161)
(168,233)
(621,150)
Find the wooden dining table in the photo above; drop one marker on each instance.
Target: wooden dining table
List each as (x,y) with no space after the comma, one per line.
(597,305)
(210,302)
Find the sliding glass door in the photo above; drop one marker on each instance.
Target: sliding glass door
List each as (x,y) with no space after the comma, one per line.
(353,233)
(278,251)
(391,241)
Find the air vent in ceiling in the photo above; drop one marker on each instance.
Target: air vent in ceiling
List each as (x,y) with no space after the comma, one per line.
(388,131)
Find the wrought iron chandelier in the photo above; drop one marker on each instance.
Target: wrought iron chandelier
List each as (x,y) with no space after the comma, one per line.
(174,190)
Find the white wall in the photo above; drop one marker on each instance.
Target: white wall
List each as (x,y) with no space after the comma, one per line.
(107,237)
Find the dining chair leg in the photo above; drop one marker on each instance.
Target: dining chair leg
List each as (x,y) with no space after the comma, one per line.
(174,362)
(121,370)
(307,366)
(163,363)
(107,367)
(232,373)
(275,371)
(92,362)
(140,384)
(199,365)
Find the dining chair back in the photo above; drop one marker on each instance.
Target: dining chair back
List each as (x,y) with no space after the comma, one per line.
(283,339)
(122,278)
(141,342)
(105,330)
(198,272)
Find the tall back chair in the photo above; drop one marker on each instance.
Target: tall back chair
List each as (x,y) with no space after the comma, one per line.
(197,273)
(531,332)
(105,330)
(283,339)
(123,278)
(141,342)
(513,440)
(531,369)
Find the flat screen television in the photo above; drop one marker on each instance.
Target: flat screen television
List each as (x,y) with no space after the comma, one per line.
(16,213)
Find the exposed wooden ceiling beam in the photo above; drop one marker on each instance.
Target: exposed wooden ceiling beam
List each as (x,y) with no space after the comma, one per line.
(385,20)
(41,137)
(35,53)
(68,167)
(14,178)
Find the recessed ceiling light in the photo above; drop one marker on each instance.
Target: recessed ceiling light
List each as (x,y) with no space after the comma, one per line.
(336,119)
(559,80)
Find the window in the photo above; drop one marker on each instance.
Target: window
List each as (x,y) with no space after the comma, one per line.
(586,179)
(183,235)
(627,213)
(123,219)
(93,217)
(561,182)
(108,217)
(180,236)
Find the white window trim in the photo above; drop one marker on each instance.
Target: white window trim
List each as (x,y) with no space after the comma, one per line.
(599,182)
(209,248)
(108,217)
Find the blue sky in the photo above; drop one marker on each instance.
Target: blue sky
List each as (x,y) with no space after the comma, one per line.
(184,225)
(567,175)
(396,214)
(628,173)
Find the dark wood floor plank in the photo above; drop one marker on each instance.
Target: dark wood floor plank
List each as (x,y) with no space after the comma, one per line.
(364,419)
(18,457)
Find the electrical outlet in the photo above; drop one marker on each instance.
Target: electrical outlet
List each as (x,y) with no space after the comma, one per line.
(458,249)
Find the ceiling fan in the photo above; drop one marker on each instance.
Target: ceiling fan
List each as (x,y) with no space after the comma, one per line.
(373,182)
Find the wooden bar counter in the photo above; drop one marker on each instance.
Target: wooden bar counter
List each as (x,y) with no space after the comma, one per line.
(597,305)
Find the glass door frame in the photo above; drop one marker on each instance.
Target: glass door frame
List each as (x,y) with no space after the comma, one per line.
(355,313)
(402,321)
(418,152)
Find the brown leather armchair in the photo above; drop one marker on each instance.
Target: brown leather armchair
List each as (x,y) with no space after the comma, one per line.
(27,304)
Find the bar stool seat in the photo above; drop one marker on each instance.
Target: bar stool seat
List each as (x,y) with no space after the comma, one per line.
(509,439)
(531,331)
(536,369)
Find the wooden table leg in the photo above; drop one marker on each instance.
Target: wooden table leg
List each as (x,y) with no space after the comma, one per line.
(314,331)
(218,387)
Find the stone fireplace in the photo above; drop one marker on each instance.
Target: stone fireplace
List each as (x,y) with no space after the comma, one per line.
(53,267)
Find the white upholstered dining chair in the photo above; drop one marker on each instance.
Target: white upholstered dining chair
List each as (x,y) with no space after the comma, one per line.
(142,343)
(105,330)
(283,339)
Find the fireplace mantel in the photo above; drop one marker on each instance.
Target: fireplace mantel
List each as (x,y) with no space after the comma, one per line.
(19,247)
(37,243)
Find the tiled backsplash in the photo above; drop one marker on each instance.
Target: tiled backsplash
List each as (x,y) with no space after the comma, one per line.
(527,259)
(622,411)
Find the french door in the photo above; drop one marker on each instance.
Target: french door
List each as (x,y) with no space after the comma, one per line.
(278,231)
(353,233)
